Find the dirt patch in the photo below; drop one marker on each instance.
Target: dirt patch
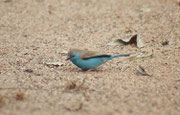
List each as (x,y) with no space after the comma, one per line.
(35,32)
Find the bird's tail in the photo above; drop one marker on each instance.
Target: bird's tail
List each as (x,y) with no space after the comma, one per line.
(120,55)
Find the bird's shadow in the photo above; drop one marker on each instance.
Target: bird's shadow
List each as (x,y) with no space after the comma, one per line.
(84,71)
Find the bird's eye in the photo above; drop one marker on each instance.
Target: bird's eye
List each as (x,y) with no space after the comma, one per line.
(72,55)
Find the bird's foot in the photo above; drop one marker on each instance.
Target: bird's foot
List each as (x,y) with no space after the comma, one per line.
(93,70)
(96,70)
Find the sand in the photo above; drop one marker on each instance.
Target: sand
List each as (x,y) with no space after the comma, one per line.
(36,79)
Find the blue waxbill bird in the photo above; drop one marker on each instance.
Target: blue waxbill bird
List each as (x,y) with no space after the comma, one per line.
(86,59)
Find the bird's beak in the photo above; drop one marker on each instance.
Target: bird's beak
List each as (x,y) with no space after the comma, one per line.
(68,58)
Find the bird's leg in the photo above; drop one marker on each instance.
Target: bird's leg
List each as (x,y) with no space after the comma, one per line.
(96,70)
(84,69)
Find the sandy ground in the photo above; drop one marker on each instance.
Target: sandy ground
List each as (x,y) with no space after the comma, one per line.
(34,32)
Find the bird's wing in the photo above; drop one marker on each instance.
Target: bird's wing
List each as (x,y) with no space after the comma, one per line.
(91,54)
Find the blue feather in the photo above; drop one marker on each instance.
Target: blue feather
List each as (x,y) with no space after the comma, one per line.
(91,62)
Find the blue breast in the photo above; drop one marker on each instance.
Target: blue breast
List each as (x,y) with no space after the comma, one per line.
(89,63)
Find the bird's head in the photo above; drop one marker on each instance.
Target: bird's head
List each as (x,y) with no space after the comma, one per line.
(73,54)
